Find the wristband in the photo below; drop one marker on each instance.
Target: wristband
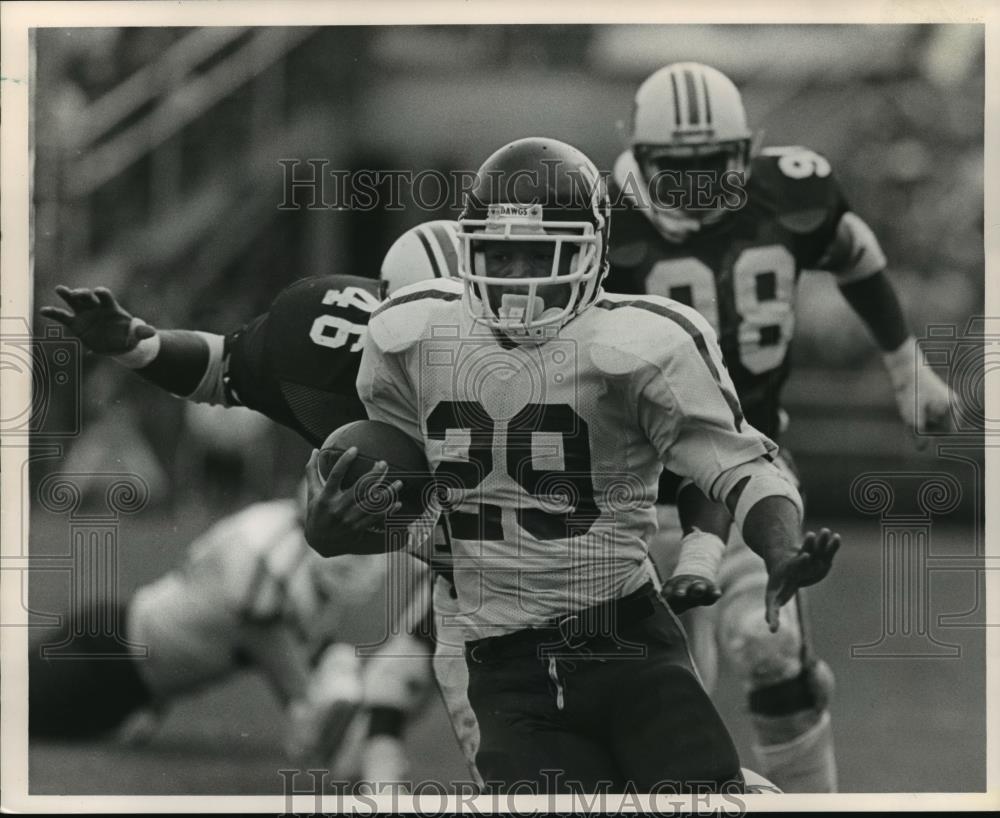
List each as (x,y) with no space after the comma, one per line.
(701,555)
(143,353)
(901,362)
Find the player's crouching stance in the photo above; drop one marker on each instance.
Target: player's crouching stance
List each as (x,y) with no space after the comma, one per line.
(537,398)
(250,595)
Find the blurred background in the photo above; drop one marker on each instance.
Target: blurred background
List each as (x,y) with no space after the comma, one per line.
(157,174)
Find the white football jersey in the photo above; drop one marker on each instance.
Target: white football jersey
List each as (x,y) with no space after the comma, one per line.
(551,453)
(250,568)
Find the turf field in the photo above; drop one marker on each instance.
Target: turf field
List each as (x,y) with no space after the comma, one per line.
(901,724)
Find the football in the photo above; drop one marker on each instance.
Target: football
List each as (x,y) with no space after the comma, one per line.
(377,441)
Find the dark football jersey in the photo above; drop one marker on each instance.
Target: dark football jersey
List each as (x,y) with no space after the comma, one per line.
(741,272)
(297,364)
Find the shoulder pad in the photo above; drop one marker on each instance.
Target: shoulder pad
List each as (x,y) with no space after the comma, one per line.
(403,320)
(800,186)
(308,293)
(639,332)
(266,520)
(314,306)
(624,176)
(255,528)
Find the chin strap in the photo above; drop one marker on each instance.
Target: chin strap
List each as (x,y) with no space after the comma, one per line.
(513,309)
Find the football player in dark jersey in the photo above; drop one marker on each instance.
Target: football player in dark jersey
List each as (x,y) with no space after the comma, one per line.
(297,364)
(707,220)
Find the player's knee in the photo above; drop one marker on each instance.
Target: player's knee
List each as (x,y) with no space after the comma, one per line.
(770,664)
(399,676)
(811,689)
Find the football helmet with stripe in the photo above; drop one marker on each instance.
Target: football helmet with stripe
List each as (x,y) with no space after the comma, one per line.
(533,238)
(688,120)
(429,250)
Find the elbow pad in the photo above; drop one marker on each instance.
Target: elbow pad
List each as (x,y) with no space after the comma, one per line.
(766,480)
(211,387)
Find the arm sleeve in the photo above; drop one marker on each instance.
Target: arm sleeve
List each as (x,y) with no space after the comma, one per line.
(184,364)
(689,412)
(249,379)
(854,252)
(211,386)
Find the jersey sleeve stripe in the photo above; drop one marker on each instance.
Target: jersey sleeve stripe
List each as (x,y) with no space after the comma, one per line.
(418,296)
(699,342)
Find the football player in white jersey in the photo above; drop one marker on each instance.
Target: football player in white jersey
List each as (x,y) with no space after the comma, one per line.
(738,261)
(548,408)
(250,594)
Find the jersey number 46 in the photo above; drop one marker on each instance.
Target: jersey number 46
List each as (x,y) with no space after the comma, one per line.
(335,331)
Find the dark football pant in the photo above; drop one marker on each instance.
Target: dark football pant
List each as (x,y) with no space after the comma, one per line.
(612,711)
(82,697)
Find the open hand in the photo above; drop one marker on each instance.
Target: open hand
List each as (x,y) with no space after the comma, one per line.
(806,567)
(98,320)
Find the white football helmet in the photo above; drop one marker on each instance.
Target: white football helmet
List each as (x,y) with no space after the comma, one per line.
(688,118)
(426,251)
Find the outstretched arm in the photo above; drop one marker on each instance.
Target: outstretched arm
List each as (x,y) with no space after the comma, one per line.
(689,412)
(183,362)
(771,526)
(856,259)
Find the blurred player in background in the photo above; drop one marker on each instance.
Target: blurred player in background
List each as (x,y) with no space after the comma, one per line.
(710,221)
(297,364)
(249,595)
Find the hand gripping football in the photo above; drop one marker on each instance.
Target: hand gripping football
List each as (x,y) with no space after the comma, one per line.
(377,441)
